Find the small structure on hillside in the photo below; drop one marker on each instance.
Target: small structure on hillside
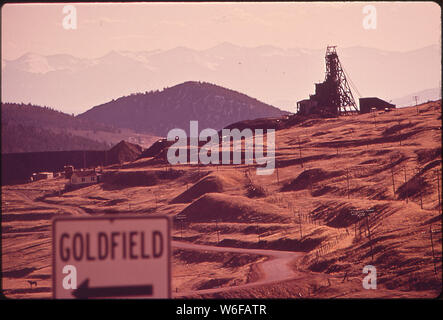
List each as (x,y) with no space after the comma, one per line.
(41,176)
(373,103)
(80,178)
(69,170)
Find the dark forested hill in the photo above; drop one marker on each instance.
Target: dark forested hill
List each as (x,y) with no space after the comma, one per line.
(19,138)
(31,128)
(157,112)
(45,117)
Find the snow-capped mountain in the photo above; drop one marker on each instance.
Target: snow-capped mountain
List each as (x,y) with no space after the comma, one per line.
(32,63)
(273,75)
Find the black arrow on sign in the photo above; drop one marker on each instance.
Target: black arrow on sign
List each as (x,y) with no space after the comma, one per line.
(85,292)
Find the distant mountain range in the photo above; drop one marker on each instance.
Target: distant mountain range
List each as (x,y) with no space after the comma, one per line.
(157,112)
(273,75)
(422,97)
(31,128)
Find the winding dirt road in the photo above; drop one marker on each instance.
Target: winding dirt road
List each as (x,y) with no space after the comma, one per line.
(275,269)
(67,208)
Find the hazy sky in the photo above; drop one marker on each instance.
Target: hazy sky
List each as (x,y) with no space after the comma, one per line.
(37,28)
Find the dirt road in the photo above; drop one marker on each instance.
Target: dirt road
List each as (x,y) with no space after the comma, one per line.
(275,269)
(67,208)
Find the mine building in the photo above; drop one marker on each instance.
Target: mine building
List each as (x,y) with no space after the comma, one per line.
(41,176)
(69,170)
(371,103)
(333,97)
(79,178)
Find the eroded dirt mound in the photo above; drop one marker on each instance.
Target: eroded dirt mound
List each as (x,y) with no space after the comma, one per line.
(306,244)
(130,179)
(213,183)
(156,148)
(122,152)
(228,259)
(423,183)
(139,178)
(426,155)
(308,177)
(228,208)
(342,215)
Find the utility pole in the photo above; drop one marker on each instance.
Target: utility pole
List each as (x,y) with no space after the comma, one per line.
(218,234)
(156,201)
(299,223)
(416,104)
(406,185)
(393,181)
(399,123)
(433,254)
(369,236)
(258,233)
(347,180)
(437,171)
(355,229)
(299,150)
(420,186)
(181,218)
(373,114)
(310,185)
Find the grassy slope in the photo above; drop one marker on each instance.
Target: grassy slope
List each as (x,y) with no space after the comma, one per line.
(306,208)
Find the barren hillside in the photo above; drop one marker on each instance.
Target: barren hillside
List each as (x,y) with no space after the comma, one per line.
(347,192)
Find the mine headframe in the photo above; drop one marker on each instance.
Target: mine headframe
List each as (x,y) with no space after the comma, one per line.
(338,95)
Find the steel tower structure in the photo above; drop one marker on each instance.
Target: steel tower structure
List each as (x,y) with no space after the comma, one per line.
(338,97)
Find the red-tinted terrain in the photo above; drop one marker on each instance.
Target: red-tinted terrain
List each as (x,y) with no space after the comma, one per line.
(347,192)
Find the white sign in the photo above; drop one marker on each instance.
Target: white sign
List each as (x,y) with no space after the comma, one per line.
(111,257)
